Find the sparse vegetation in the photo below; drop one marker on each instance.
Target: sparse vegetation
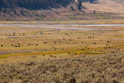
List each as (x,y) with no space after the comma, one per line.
(69,42)
(63,54)
(48,41)
(83,69)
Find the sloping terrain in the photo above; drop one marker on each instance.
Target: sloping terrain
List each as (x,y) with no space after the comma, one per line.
(121,1)
(61,9)
(31,8)
(32,4)
(106,6)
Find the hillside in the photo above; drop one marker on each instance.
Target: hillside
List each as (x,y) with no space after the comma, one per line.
(61,9)
(32,4)
(121,1)
(111,6)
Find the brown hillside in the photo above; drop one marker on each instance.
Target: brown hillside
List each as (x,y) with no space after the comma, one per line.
(102,9)
(109,6)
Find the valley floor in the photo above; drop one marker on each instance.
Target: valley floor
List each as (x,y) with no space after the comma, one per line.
(62,51)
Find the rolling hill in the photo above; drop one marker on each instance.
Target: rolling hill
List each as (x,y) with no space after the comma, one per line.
(112,6)
(60,9)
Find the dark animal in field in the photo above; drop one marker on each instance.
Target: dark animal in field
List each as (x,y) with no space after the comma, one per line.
(55,42)
(1,45)
(83,49)
(75,53)
(12,44)
(73,80)
(23,34)
(13,34)
(15,46)
(18,43)
(94,42)
(36,44)
(51,55)
(45,42)
(108,41)
(69,39)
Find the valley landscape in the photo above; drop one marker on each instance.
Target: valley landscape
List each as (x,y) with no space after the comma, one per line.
(53,44)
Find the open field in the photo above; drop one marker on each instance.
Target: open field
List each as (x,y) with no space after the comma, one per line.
(63,47)
(51,43)
(102,21)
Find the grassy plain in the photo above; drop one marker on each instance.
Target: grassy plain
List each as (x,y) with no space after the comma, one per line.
(23,44)
(102,21)
(87,54)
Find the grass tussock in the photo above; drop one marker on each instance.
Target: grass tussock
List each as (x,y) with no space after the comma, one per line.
(83,69)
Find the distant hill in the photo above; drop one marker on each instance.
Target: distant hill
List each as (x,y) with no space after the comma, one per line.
(60,9)
(105,6)
(29,8)
(33,4)
(122,1)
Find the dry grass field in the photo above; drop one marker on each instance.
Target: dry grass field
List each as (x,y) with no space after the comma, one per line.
(101,21)
(20,42)
(26,51)
(82,69)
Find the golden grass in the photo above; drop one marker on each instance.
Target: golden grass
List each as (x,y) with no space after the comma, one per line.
(103,21)
(65,42)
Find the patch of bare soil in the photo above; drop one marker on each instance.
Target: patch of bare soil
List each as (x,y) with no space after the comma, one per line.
(83,69)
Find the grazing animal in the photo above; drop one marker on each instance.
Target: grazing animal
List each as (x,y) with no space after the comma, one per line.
(94,42)
(36,44)
(1,45)
(23,34)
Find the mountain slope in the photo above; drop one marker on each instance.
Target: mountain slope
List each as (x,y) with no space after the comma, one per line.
(33,4)
(109,6)
(60,9)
